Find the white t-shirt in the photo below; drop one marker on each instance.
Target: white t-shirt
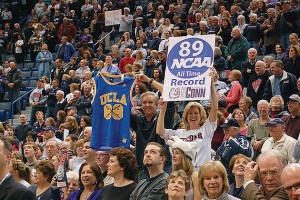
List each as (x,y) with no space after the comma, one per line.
(202,136)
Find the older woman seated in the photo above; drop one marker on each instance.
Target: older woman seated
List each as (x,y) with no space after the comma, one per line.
(213,181)
(178,185)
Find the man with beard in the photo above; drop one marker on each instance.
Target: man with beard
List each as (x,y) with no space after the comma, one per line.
(153,187)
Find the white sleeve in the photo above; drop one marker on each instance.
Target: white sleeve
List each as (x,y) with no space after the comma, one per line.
(168,134)
(209,128)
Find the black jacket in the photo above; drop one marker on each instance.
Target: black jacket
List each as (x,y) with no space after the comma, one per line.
(12,190)
(256,86)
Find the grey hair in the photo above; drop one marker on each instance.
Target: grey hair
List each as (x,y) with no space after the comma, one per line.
(274,154)
(218,52)
(151,94)
(88,128)
(203,23)
(252,49)
(271,10)
(241,17)
(60,92)
(259,62)
(253,15)
(263,101)
(197,14)
(66,142)
(72,174)
(219,39)
(270,58)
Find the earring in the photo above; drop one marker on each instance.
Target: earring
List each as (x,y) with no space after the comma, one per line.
(96,183)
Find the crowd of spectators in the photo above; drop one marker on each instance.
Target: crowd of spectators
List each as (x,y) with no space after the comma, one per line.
(243,143)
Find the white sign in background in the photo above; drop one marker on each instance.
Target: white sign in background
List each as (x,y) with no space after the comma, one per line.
(188,66)
(113,17)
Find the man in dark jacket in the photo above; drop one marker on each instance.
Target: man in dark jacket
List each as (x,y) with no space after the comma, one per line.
(9,188)
(83,104)
(13,84)
(280,83)
(247,67)
(51,99)
(257,83)
(154,43)
(236,50)
(235,143)
(22,129)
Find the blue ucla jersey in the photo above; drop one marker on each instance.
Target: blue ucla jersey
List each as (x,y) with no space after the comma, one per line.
(111,113)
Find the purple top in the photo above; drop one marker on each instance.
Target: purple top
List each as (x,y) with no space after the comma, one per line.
(76,195)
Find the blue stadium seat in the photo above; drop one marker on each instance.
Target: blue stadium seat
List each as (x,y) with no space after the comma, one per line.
(34,72)
(26,73)
(28,65)
(24,84)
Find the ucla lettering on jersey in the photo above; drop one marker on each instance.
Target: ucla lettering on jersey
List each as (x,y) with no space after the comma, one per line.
(111,113)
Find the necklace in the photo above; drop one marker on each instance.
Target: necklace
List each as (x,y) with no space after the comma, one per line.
(86,196)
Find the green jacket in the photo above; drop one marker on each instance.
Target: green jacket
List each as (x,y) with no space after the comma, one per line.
(238,49)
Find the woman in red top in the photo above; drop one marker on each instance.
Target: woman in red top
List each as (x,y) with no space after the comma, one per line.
(235,92)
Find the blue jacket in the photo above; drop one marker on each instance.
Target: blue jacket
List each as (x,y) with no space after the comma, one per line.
(228,149)
(287,86)
(68,53)
(44,54)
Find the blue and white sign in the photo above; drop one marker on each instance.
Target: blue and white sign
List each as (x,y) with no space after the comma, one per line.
(188,65)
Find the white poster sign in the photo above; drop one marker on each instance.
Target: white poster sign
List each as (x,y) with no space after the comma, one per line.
(188,65)
(113,17)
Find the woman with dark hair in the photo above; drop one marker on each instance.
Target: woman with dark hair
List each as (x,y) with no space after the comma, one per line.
(84,122)
(20,172)
(90,182)
(19,49)
(225,30)
(158,76)
(51,37)
(122,166)
(42,178)
(261,11)
(139,89)
(293,63)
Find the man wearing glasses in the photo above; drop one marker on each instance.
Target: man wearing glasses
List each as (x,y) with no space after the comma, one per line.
(290,179)
(102,158)
(268,168)
(279,140)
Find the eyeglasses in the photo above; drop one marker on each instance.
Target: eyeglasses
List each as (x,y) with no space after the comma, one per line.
(296,186)
(266,173)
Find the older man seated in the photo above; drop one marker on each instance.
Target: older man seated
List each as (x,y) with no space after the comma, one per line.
(268,168)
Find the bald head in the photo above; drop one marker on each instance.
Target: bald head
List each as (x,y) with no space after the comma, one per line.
(290,179)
